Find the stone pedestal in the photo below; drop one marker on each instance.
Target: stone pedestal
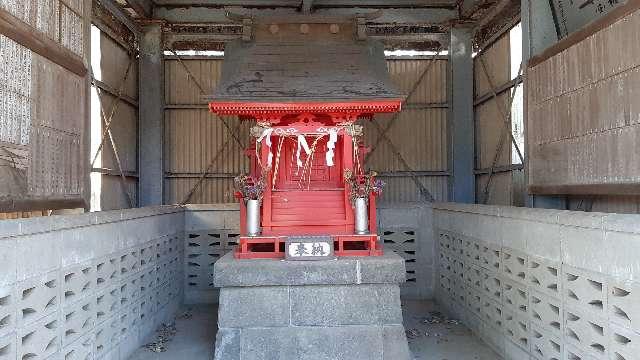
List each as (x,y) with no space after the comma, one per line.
(335,309)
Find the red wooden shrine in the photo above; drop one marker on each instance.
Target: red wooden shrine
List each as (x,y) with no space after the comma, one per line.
(313,199)
(305,85)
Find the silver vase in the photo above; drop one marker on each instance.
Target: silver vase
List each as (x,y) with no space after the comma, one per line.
(361,216)
(253,217)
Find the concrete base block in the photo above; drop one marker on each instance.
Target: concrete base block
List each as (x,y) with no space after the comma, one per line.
(342,309)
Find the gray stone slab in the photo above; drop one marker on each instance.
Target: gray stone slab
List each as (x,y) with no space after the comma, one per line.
(394,341)
(266,306)
(231,272)
(227,344)
(331,305)
(313,343)
(387,269)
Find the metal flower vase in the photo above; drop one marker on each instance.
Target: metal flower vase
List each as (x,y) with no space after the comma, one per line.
(361,216)
(253,217)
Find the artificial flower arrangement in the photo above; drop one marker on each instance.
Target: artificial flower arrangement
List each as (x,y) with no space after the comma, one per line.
(250,188)
(361,186)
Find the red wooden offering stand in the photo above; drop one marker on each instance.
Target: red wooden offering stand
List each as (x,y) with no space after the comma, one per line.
(313,199)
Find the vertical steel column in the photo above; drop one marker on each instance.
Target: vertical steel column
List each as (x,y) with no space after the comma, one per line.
(151,117)
(462,184)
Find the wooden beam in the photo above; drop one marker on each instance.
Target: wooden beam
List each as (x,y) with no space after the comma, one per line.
(25,35)
(306,6)
(144,8)
(495,11)
(112,7)
(316,3)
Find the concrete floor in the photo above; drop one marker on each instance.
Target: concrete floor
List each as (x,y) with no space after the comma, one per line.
(431,337)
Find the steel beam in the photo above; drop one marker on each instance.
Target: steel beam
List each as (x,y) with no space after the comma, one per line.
(207,15)
(116,10)
(151,114)
(462,183)
(316,3)
(144,8)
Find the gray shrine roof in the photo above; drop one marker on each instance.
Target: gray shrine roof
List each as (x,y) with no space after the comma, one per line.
(309,71)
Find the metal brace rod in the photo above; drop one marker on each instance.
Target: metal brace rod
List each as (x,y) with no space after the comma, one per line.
(433,60)
(114,106)
(426,195)
(506,129)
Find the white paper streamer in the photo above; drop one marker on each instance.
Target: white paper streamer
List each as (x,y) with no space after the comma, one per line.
(302,143)
(266,136)
(331,145)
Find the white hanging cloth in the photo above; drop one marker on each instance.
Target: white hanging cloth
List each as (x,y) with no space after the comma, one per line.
(266,133)
(302,144)
(331,145)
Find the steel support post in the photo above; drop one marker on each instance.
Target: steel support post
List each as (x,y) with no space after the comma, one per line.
(151,117)
(461,125)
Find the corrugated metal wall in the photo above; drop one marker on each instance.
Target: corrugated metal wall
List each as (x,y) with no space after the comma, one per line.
(506,186)
(42,108)
(114,61)
(194,136)
(584,118)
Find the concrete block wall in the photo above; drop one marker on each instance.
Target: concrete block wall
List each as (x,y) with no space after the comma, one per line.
(91,286)
(212,230)
(542,284)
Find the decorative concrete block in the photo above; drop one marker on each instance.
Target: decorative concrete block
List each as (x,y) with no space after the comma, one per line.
(77,282)
(517,329)
(474,277)
(545,346)
(8,309)
(512,351)
(624,304)
(8,346)
(624,343)
(515,265)
(586,290)
(490,256)
(107,303)
(492,285)
(471,251)
(107,271)
(587,332)
(318,343)
(37,298)
(266,306)
(515,297)
(332,305)
(40,339)
(547,313)
(493,313)
(77,319)
(545,276)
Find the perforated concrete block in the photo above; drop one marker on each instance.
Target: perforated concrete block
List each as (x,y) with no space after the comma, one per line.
(446,265)
(77,320)
(8,309)
(8,346)
(77,282)
(457,245)
(491,256)
(133,285)
(107,303)
(545,276)
(40,339)
(513,351)
(104,338)
(471,251)
(445,285)
(571,352)
(474,277)
(492,285)
(493,313)
(445,241)
(37,297)
(129,262)
(545,346)
(547,313)
(458,269)
(586,332)
(515,297)
(624,343)
(147,256)
(624,304)
(81,349)
(515,265)
(585,289)
(107,271)
(517,329)
(476,302)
